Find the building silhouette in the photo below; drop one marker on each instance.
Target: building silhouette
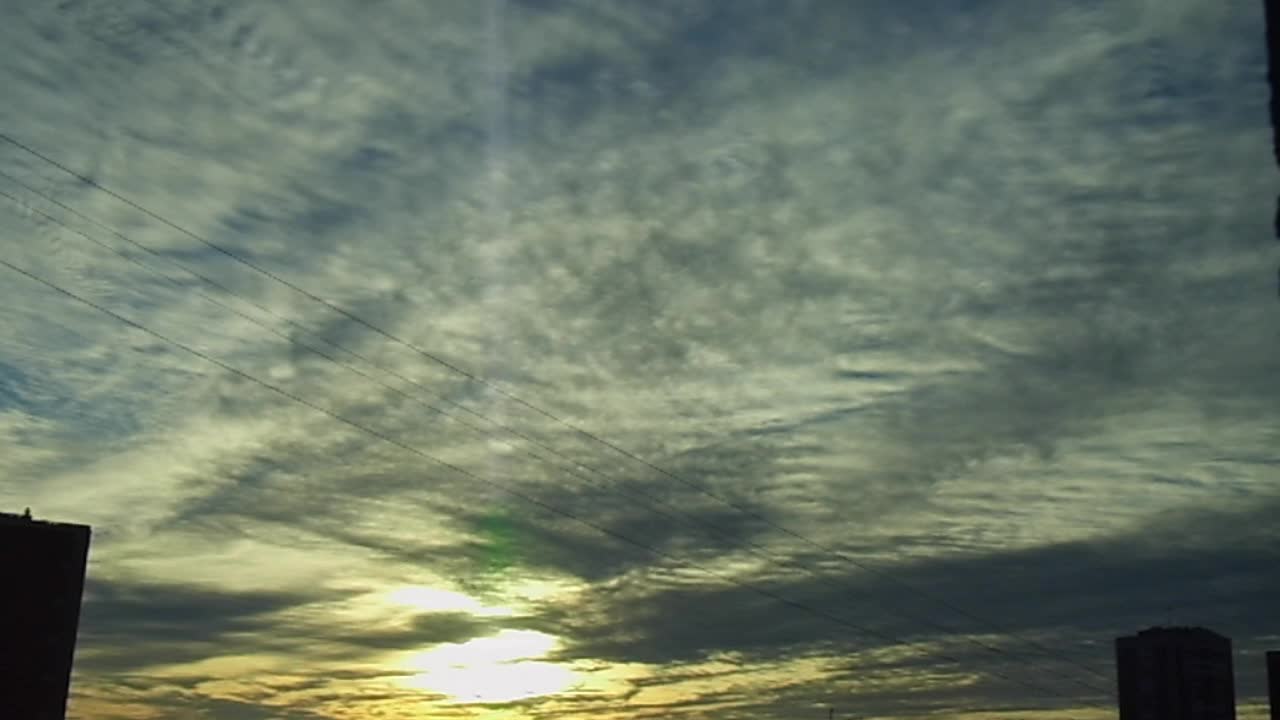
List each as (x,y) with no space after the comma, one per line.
(1273,682)
(43,564)
(1177,673)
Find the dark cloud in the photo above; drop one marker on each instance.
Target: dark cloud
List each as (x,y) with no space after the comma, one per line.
(1177,567)
(132,626)
(421,631)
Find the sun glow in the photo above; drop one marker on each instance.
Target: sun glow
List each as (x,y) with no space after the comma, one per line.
(500,668)
(436,600)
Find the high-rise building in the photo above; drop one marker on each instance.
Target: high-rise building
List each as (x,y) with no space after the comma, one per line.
(43,566)
(1273,682)
(1177,673)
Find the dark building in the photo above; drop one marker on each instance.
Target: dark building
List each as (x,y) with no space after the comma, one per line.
(1273,682)
(1178,673)
(43,565)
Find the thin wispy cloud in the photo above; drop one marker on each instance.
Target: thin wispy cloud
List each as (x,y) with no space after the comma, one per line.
(977,295)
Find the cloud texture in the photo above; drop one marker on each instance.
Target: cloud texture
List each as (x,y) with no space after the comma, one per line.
(951,325)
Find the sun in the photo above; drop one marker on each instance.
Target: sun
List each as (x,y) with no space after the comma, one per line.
(500,668)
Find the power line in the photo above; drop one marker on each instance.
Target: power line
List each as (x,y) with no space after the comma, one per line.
(292,323)
(669,511)
(503,487)
(452,367)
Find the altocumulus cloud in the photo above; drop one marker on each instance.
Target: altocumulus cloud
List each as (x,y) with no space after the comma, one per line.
(975,294)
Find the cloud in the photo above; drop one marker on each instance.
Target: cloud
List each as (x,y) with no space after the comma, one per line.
(1175,566)
(133,627)
(970,294)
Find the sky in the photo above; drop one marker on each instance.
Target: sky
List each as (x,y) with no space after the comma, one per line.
(664,359)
